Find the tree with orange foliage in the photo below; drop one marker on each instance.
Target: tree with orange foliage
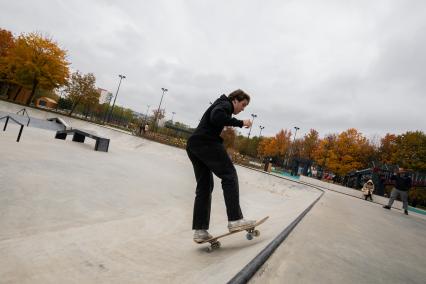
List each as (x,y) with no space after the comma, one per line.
(261,148)
(268,147)
(228,135)
(297,148)
(81,89)
(306,146)
(325,150)
(275,146)
(387,148)
(283,142)
(7,41)
(410,150)
(36,61)
(346,152)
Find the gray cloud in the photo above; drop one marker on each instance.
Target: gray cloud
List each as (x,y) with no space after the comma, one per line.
(328,65)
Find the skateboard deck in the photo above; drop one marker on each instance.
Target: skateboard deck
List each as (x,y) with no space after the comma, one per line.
(251,232)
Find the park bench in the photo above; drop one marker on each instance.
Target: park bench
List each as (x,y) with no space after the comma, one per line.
(102,143)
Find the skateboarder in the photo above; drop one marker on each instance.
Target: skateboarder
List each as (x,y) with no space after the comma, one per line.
(208,155)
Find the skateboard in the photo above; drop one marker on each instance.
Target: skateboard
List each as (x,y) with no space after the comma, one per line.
(251,232)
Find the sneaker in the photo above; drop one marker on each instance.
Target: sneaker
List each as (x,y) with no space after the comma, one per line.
(386,207)
(239,224)
(405,212)
(201,236)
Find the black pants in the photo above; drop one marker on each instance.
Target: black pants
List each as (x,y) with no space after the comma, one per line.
(368,196)
(208,159)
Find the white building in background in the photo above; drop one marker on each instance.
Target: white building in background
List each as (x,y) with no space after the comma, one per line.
(105,96)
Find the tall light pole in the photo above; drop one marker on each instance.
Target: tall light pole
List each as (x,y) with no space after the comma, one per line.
(254,116)
(116,94)
(173,115)
(296,128)
(260,132)
(158,111)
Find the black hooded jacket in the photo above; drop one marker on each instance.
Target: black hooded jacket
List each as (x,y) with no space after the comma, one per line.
(216,117)
(402,182)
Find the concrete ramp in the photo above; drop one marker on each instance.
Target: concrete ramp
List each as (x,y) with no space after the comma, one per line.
(70,215)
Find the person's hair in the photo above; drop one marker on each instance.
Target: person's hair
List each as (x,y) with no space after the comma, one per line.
(239,95)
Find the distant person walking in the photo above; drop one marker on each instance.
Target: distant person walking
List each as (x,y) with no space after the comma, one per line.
(368,190)
(141,129)
(208,155)
(402,185)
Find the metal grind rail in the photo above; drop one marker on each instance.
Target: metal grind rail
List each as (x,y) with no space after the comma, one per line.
(7,117)
(24,111)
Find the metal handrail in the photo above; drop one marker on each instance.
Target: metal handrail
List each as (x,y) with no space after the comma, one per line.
(17,122)
(24,111)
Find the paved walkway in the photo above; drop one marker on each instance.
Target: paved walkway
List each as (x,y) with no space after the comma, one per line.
(347,240)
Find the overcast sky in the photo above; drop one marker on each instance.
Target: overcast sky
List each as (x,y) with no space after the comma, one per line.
(327,65)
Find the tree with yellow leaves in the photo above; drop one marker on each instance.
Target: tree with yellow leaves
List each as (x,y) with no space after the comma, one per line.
(283,142)
(81,89)
(410,150)
(324,150)
(36,62)
(387,148)
(306,147)
(275,146)
(346,152)
(228,135)
(7,42)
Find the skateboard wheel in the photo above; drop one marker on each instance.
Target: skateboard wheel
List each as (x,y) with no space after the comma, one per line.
(213,246)
(216,245)
(256,233)
(249,236)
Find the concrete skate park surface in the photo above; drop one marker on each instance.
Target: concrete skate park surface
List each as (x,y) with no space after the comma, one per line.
(70,214)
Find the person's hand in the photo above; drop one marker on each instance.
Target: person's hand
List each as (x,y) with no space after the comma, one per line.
(247,123)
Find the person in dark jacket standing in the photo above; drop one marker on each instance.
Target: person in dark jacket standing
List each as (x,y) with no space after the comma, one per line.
(208,155)
(402,185)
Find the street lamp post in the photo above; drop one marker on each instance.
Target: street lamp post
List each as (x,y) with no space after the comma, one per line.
(296,128)
(260,132)
(158,110)
(254,116)
(173,115)
(116,94)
